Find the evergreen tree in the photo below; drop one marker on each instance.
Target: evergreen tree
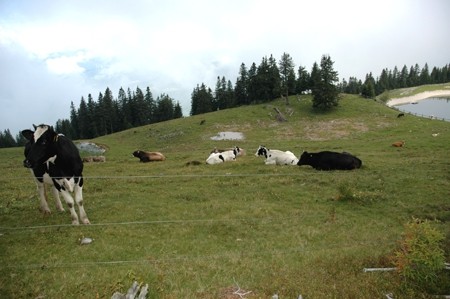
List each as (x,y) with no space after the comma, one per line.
(383,82)
(353,86)
(64,126)
(303,81)
(425,75)
(125,116)
(274,78)
(140,108)
(83,120)
(74,122)
(325,91)
(262,82)
(6,139)
(164,108)
(92,130)
(150,106)
(201,100)
(20,140)
(403,77)
(368,88)
(241,88)
(395,81)
(177,111)
(287,75)
(252,87)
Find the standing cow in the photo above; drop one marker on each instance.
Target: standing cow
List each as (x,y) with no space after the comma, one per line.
(327,160)
(55,160)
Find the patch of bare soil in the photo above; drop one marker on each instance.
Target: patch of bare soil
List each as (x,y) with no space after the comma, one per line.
(333,129)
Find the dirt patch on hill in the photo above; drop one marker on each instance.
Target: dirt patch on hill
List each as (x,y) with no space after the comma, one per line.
(333,129)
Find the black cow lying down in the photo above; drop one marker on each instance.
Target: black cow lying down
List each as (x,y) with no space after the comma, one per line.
(327,160)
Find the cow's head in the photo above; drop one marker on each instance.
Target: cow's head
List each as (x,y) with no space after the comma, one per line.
(40,146)
(137,154)
(262,151)
(305,158)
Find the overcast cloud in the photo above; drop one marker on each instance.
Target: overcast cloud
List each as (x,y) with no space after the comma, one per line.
(54,52)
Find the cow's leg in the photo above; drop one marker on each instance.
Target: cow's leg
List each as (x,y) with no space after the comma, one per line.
(57,199)
(69,200)
(79,199)
(42,197)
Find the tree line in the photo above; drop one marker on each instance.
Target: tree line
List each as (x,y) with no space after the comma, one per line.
(268,80)
(271,79)
(393,79)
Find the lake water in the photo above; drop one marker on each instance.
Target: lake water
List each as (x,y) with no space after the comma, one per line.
(433,107)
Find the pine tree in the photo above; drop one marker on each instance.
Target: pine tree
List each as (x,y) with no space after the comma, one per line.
(177,111)
(6,139)
(201,100)
(74,122)
(368,88)
(164,108)
(287,75)
(241,88)
(303,81)
(425,75)
(150,106)
(83,120)
(252,87)
(325,91)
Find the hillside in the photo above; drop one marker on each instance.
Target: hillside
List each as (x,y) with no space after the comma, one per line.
(205,231)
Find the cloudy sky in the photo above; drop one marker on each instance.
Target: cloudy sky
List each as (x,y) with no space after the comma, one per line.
(54,52)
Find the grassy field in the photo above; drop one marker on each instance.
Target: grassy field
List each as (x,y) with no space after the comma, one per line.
(204,231)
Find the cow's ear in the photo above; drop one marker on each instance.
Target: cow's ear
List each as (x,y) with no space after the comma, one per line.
(28,134)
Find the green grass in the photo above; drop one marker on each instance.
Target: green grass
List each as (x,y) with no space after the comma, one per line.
(200,231)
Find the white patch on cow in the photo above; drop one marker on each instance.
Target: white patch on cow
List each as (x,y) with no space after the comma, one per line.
(51,160)
(40,130)
(69,184)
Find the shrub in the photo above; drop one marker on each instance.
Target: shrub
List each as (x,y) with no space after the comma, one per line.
(420,258)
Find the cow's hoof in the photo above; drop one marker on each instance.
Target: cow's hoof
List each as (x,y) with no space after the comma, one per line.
(86,221)
(46,212)
(75,222)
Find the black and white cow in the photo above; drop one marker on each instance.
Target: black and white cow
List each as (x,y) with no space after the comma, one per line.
(276,157)
(327,160)
(217,158)
(55,160)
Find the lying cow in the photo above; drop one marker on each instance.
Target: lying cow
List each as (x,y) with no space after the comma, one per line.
(216,150)
(276,157)
(94,159)
(217,158)
(149,156)
(398,144)
(54,159)
(330,160)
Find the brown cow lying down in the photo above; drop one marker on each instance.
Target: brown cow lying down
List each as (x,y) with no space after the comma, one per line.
(94,159)
(398,144)
(149,156)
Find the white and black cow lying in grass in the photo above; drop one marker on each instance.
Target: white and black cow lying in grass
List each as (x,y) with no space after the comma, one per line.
(55,160)
(327,160)
(241,151)
(276,157)
(149,156)
(217,158)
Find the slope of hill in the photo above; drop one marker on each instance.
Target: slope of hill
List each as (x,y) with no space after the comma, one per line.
(204,231)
